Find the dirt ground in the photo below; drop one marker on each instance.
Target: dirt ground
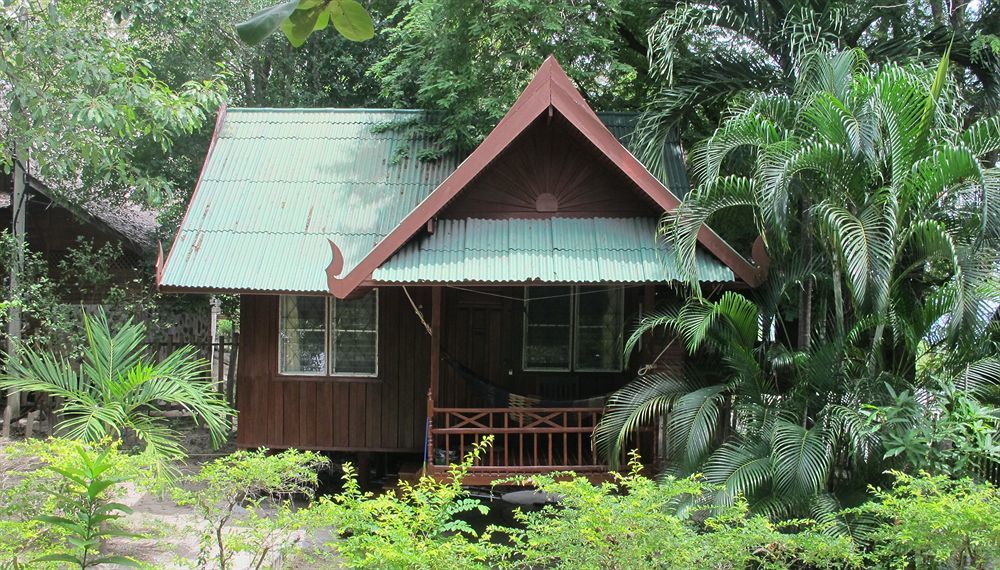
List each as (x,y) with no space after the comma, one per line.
(170,533)
(171,537)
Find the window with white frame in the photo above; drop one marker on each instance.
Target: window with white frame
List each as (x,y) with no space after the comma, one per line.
(321,336)
(573,329)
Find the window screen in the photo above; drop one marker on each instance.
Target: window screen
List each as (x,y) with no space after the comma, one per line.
(547,328)
(599,318)
(354,328)
(302,335)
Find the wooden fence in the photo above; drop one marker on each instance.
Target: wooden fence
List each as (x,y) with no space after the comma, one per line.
(222,355)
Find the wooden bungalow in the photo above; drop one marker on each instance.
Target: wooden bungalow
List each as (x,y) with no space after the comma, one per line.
(54,227)
(400,306)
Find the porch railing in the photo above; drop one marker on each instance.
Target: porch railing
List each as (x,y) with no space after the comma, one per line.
(526,439)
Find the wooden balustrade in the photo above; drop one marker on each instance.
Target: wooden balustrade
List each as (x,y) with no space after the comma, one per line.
(526,440)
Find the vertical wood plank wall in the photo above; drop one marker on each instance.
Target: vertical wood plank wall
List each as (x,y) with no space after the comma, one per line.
(384,414)
(388,414)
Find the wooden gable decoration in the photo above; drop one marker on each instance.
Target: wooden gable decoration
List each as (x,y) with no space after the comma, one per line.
(550,91)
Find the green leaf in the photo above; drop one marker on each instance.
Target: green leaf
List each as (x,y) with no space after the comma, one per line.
(352,20)
(927,119)
(302,23)
(265,22)
(97,487)
(118,561)
(58,558)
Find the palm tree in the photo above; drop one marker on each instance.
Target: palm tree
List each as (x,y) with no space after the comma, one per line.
(864,185)
(116,386)
(706,55)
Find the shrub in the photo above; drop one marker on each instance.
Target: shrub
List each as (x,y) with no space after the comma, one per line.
(417,527)
(87,511)
(40,480)
(262,483)
(115,386)
(935,522)
(633,521)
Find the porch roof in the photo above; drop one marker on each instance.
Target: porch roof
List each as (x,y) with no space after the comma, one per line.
(553,250)
(280,185)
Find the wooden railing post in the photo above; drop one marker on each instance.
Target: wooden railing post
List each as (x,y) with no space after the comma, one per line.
(429,457)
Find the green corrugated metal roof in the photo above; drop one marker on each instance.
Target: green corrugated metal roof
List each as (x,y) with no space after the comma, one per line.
(280,184)
(557,250)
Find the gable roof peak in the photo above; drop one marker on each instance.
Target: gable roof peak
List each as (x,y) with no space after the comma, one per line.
(550,88)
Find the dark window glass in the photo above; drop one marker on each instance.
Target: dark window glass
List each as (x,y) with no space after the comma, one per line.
(548,328)
(598,329)
(355,335)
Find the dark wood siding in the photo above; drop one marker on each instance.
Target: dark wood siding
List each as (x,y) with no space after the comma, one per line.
(480,328)
(383,414)
(483,331)
(550,159)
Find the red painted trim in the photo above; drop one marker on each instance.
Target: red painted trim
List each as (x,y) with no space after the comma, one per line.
(285,445)
(550,88)
(161,268)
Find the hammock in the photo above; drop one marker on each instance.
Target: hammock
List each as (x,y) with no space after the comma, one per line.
(497,397)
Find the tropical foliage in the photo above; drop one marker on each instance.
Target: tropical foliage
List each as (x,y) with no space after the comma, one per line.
(876,204)
(81,130)
(420,526)
(260,483)
(55,494)
(59,500)
(935,522)
(115,388)
(636,522)
(468,60)
(88,512)
(704,56)
(298,19)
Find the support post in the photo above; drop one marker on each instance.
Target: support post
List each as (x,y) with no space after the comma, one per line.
(435,341)
(429,438)
(434,386)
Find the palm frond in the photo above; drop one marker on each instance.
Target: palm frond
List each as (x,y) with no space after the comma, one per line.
(638,403)
(741,468)
(693,423)
(982,137)
(801,458)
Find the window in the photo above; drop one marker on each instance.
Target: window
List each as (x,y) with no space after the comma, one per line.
(322,336)
(303,335)
(354,328)
(573,328)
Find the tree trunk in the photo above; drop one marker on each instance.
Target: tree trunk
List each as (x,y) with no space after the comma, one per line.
(805,297)
(18,205)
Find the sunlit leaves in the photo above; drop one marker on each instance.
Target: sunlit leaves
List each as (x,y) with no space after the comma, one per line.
(298,19)
(80,100)
(351,20)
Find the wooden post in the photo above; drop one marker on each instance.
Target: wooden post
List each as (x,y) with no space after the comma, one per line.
(220,356)
(428,426)
(234,354)
(432,391)
(435,340)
